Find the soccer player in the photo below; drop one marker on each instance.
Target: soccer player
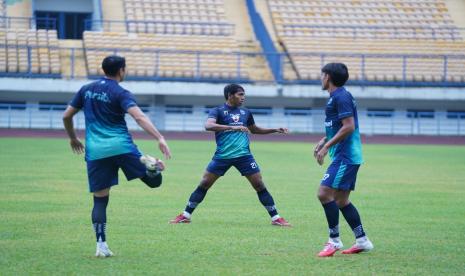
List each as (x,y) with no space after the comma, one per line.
(109,146)
(231,125)
(342,141)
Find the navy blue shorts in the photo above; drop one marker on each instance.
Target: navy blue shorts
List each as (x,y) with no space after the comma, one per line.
(246,165)
(340,176)
(103,173)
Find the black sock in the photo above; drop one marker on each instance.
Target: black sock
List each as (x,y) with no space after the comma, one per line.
(196,197)
(267,200)
(352,217)
(332,216)
(99,217)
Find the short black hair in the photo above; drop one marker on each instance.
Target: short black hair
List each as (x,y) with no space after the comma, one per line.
(112,64)
(232,89)
(338,73)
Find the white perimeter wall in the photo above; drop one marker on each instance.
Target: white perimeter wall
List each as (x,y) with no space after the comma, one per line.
(198,95)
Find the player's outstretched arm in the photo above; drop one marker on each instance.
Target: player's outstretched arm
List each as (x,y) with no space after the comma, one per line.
(348,126)
(74,141)
(144,122)
(211,125)
(259,130)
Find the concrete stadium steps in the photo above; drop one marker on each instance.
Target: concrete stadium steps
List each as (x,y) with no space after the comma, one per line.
(259,69)
(237,14)
(264,11)
(2,8)
(457,10)
(114,10)
(19,8)
(76,68)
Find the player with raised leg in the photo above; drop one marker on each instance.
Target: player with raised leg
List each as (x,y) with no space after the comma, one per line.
(343,143)
(109,146)
(231,125)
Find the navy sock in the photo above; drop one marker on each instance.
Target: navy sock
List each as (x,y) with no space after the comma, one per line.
(153,180)
(332,216)
(99,217)
(353,218)
(196,197)
(267,200)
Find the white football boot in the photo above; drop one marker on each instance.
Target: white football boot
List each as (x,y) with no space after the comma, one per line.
(152,164)
(362,244)
(103,250)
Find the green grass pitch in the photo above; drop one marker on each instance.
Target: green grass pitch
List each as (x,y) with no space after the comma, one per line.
(411,198)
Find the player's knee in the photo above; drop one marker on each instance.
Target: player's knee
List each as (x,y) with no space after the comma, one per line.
(342,202)
(323,197)
(205,183)
(152,182)
(259,186)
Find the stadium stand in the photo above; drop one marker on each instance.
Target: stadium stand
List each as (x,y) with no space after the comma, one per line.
(184,39)
(171,56)
(29,52)
(422,15)
(371,38)
(178,16)
(25,51)
(396,42)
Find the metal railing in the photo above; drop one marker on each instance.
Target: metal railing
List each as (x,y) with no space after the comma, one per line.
(376,69)
(373,31)
(28,22)
(163,27)
(365,69)
(193,64)
(398,122)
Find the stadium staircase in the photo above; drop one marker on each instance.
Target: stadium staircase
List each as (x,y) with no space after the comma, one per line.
(262,7)
(114,10)
(236,13)
(72,58)
(457,10)
(22,8)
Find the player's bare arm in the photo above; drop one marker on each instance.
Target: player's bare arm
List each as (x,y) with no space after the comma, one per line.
(348,126)
(211,125)
(74,141)
(144,122)
(259,130)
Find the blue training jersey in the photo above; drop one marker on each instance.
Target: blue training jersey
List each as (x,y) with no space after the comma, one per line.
(105,103)
(231,144)
(342,105)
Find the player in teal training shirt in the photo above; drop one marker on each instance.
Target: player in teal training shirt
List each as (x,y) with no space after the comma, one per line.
(231,124)
(109,146)
(343,143)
